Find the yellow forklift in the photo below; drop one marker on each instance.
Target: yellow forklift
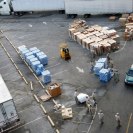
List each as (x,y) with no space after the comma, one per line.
(64,52)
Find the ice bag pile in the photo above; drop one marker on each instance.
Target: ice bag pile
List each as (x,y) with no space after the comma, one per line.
(37,60)
(101,70)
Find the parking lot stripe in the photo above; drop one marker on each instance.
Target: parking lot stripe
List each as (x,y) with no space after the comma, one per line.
(57,131)
(92,120)
(121,48)
(129,123)
(34,44)
(21,98)
(27,124)
(42,107)
(53,66)
(27,35)
(51,121)
(60,72)
(35,96)
(23,110)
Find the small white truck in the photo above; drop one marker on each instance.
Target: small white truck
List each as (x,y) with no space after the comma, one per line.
(8,112)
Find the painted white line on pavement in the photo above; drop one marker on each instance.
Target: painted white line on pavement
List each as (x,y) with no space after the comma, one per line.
(17,100)
(80,70)
(52,58)
(26,109)
(121,48)
(53,66)
(129,121)
(23,110)
(27,40)
(8,65)
(21,37)
(34,43)
(92,120)
(26,124)
(60,72)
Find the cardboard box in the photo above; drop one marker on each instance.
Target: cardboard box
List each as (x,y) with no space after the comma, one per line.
(66,113)
(54,90)
(112,18)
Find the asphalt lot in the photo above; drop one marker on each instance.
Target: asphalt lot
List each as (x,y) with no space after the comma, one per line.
(46,33)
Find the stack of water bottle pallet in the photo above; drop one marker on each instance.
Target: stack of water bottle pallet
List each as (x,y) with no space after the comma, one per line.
(100,39)
(37,60)
(101,69)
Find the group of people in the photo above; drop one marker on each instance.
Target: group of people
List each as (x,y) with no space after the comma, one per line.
(91,103)
(111,65)
(117,118)
(84,98)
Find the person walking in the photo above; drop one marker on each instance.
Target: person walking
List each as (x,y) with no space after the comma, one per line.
(75,96)
(108,58)
(111,64)
(116,76)
(92,51)
(101,116)
(94,96)
(117,117)
(89,106)
(92,66)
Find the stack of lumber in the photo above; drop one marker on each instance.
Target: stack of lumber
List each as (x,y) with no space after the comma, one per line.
(100,39)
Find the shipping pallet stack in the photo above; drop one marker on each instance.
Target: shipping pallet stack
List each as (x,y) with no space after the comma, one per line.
(127,21)
(100,39)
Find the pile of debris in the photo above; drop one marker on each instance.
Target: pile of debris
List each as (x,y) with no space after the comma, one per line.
(99,39)
(127,21)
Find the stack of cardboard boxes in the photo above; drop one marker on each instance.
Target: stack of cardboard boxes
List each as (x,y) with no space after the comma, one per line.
(126,20)
(100,39)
